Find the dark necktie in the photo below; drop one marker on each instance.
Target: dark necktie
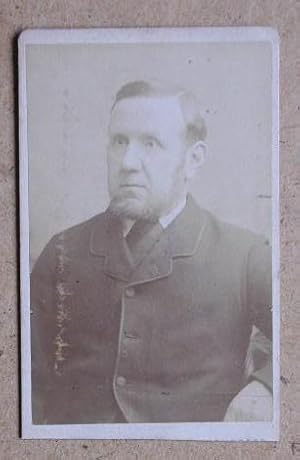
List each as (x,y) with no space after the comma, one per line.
(141,238)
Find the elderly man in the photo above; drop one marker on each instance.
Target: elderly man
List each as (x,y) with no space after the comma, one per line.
(144,313)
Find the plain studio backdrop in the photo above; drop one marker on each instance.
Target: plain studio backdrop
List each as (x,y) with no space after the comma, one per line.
(70,91)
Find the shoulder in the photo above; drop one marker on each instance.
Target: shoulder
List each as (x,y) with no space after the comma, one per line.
(81,230)
(236,251)
(73,240)
(234,233)
(226,237)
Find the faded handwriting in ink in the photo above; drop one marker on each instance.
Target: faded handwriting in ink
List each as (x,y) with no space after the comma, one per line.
(62,314)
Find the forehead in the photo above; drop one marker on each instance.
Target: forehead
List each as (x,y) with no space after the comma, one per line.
(161,115)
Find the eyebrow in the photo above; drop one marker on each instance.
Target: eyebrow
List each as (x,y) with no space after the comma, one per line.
(145,134)
(149,134)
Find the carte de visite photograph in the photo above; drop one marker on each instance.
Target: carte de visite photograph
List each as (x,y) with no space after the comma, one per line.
(149,233)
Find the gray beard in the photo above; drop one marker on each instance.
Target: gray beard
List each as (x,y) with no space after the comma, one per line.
(121,209)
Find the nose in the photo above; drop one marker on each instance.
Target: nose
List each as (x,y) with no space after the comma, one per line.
(131,158)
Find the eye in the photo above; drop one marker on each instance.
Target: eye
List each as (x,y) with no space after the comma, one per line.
(151,142)
(119,140)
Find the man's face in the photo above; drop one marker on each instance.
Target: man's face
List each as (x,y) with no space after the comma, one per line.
(146,157)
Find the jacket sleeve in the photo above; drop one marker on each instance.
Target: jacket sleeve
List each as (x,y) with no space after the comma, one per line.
(259,287)
(259,299)
(42,304)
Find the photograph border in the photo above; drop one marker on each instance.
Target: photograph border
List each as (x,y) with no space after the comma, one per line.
(212,431)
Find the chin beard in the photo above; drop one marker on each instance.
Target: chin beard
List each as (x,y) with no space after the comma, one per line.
(134,211)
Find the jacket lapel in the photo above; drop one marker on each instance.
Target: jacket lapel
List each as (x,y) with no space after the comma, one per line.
(153,254)
(180,239)
(106,241)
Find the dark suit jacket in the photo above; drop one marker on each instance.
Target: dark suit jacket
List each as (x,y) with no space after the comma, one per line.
(153,330)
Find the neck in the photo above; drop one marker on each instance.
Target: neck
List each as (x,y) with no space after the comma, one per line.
(165,218)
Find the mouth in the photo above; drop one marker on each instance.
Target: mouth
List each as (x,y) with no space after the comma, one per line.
(132,186)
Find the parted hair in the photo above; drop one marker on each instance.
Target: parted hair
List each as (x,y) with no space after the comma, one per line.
(190,107)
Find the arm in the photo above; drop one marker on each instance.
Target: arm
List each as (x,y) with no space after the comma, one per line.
(259,287)
(259,297)
(254,402)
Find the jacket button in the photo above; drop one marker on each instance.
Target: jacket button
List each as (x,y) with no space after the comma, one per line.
(154,270)
(130,335)
(121,381)
(130,292)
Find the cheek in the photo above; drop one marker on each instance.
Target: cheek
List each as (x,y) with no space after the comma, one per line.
(167,167)
(161,177)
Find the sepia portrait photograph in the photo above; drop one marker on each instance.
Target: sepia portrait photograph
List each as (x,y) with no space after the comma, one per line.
(149,233)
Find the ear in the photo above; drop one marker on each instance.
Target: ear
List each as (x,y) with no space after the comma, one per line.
(195,158)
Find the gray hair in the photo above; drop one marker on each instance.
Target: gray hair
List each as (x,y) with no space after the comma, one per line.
(195,124)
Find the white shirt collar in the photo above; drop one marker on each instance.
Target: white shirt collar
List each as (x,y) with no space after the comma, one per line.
(164,220)
(168,218)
